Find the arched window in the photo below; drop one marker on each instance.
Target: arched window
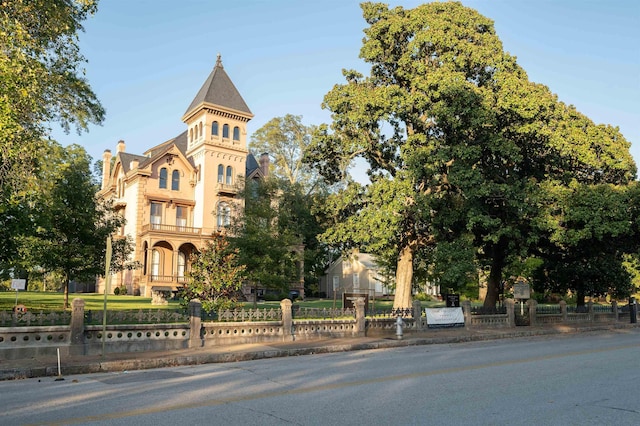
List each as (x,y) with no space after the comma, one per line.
(236,133)
(225,131)
(200,130)
(182,265)
(214,128)
(191,135)
(229,180)
(163,178)
(224,215)
(155,264)
(175,180)
(220,173)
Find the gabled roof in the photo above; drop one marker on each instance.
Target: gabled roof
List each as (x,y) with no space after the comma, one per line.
(219,90)
(126,159)
(180,142)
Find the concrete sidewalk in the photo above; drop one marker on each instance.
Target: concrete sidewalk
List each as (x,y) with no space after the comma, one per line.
(48,366)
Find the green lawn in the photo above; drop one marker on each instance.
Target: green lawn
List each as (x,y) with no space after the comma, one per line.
(53,301)
(36,301)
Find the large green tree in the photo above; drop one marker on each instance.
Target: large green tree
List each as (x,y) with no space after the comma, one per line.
(71,224)
(592,230)
(41,82)
(267,243)
(286,140)
(457,140)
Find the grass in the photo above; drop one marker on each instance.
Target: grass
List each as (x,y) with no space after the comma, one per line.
(53,301)
(50,301)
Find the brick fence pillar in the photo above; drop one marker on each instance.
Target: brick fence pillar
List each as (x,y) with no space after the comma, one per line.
(563,311)
(466,311)
(360,318)
(511,314)
(287,319)
(416,306)
(195,324)
(614,308)
(592,316)
(76,343)
(533,307)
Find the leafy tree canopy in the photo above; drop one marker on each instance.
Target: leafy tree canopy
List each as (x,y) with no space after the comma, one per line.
(457,140)
(42,81)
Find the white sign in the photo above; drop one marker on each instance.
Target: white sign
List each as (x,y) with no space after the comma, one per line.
(19,284)
(444,317)
(521,291)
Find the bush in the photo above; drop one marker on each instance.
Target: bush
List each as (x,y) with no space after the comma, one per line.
(423,297)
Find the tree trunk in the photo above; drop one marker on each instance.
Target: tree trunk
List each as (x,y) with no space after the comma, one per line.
(404,278)
(495,276)
(580,303)
(66,292)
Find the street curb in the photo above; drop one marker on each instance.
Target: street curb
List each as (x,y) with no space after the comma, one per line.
(469,335)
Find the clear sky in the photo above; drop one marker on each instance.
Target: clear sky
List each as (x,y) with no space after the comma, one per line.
(148,58)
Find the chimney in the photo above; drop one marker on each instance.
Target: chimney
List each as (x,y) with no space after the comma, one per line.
(121,146)
(106,167)
(133,164)
(264,164)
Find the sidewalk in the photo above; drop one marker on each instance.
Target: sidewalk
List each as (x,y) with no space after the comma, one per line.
(112,362)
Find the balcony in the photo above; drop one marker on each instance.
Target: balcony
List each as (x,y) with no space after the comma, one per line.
(171,229)
(226,189)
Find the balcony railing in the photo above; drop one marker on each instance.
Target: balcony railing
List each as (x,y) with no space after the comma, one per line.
(175,229)
(224,188)
(168,279)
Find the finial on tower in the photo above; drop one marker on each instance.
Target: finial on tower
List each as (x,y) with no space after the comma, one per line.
(219,61)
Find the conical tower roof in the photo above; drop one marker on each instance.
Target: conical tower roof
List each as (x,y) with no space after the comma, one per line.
(219,90)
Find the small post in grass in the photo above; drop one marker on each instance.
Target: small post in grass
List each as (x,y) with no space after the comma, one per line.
(107,282)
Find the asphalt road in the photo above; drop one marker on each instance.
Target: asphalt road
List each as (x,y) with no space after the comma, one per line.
(579,379)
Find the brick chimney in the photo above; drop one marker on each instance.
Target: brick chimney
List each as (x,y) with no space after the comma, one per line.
(106,167)
(264,164)
(121,146)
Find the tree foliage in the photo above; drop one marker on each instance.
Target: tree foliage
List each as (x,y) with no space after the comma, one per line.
(41,82)
(265,236)
(286,139)
(459,145)
(70,225)
(215,277)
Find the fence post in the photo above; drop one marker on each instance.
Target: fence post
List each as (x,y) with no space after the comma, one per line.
(563,311)
(533,312)
(417,315)
(466,311)
(592,317)
(287,319)
(360,317)
(614,308)
(195,324)
(511,315)
(76,344)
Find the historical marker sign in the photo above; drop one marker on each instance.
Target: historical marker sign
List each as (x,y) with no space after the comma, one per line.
(521,290)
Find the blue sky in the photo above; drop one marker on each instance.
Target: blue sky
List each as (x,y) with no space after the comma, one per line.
(148,58)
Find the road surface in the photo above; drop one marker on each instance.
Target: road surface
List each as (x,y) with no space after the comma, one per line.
(579,379)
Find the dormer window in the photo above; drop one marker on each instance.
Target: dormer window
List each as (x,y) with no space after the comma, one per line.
(225,131)
(214,128)
(236,133)
(163,178)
